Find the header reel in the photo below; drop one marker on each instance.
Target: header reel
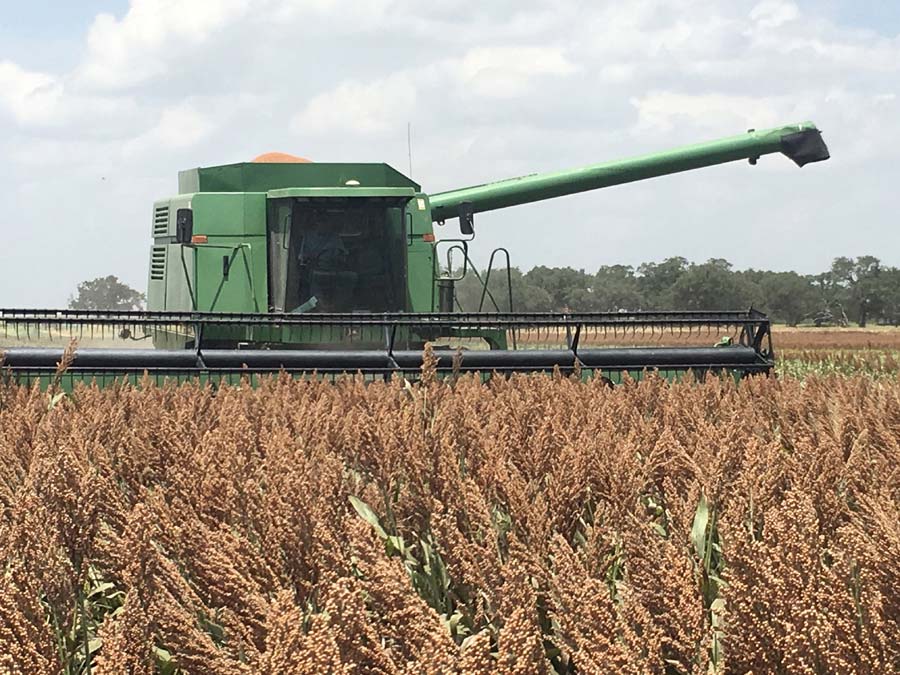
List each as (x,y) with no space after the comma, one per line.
(226,346)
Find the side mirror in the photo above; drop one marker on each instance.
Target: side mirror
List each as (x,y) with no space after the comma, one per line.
(466,218)
(184,226)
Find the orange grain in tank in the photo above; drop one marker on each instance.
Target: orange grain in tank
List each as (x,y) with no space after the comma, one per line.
(280,158)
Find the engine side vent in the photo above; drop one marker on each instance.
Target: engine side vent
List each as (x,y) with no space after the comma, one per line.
(161,221)
(158,263)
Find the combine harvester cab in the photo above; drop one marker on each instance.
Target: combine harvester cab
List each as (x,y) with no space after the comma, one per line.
(304,267)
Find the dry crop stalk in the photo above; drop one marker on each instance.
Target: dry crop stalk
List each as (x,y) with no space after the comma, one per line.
(536,515)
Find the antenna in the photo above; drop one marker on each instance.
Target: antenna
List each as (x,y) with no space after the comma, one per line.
(409,145)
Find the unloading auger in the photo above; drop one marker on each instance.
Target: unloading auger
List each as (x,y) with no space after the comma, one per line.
(332,268)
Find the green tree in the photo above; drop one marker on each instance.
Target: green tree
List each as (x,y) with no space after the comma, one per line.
(106,293)
(788,296)
(830,295)
(656,280)
(616,287)
(713,286)
(862,285)
(567,287)
(891,297)
(526,297)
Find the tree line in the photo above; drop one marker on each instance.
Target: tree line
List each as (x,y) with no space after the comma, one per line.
(860,290)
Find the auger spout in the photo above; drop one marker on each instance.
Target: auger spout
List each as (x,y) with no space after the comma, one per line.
(802,143)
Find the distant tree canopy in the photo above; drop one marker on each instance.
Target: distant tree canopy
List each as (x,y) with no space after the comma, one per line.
(106,293)
(853,289)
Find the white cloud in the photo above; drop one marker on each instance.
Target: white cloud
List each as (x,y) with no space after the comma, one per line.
(358,109)
(665,111)
(383,104)
(774,13)
(26,95)
(44,102)
(180,126)
(508,72)
(148,40)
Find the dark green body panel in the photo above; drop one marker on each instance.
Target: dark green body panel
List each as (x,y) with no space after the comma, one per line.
(231,207)
(252,177)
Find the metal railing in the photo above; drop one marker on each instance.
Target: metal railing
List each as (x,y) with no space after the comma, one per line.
(383,344)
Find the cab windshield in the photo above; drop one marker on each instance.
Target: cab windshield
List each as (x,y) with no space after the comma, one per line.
(336,255)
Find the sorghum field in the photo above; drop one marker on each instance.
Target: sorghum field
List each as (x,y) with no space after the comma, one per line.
(528,525)
(837,351)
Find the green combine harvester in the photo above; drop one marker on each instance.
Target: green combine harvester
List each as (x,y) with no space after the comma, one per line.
(303,267)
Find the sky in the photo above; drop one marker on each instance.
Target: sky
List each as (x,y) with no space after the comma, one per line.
(102,102)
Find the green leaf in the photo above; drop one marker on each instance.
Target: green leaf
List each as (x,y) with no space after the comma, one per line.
(393,544)
(99,589)
(677,664)
(367,514)
(215,631)
(698,529)
(580,539)
(56,399)
(456,625)
(165,664)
